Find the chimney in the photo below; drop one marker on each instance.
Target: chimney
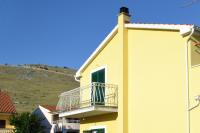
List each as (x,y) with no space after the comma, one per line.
(123,19)
(124,11)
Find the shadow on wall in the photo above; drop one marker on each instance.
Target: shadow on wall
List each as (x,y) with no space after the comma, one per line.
(44,122)
(107,117)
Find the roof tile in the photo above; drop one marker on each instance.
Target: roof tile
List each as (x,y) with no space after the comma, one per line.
(6,104)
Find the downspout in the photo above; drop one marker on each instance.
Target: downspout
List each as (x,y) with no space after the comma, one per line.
(76,78)
(187,78)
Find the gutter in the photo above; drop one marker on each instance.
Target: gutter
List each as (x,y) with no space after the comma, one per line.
(77,78)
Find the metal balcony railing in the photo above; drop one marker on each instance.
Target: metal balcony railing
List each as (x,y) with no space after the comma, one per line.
(6,130)
(95,94)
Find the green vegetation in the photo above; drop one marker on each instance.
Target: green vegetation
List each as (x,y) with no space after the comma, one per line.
(27,123)
(32,85)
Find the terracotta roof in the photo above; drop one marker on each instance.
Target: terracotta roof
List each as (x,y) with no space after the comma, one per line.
(51,108)
(6,104)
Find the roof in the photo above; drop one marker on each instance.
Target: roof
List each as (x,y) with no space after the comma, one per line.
(184,29)
(6,104)
(51,108)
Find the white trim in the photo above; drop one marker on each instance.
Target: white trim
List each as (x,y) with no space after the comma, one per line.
(99,127)
(102,45)
(158,26)
(183,29)
(87,109)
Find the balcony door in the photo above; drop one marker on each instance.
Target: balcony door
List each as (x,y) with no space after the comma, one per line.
(98,89)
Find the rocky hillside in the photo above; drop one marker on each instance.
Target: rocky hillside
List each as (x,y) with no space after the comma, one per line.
(31,85)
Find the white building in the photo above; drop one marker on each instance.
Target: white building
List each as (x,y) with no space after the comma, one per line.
(53,123)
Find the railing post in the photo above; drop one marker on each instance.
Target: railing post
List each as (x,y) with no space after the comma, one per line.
(94,92)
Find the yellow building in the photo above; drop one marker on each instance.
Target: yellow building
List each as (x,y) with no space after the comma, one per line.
(6,110)
(143,78)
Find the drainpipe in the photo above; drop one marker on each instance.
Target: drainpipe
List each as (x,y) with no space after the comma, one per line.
(187,78)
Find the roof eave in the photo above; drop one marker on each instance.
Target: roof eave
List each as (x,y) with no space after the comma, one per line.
(184,30)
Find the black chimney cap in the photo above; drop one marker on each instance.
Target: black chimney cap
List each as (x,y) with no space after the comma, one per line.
(124,10)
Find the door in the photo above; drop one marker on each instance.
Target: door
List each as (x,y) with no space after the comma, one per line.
(98,91)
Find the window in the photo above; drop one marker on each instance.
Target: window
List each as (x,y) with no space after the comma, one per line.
(98,130)
(102,130)
(2,124)
(87,131)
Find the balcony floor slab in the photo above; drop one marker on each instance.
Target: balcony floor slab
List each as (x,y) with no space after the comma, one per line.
(88,111)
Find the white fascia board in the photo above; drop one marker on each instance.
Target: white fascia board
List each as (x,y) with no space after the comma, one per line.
(183,29)
(87,110)
(78,111)
(93,55)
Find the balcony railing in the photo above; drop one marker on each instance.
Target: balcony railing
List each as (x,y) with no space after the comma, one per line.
(95,94)
(6,130)
(63,121)
(66,124)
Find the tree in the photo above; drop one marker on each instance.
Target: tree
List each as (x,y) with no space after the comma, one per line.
(27,123)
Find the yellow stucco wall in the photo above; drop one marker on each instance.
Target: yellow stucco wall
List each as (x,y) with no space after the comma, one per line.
(150,70)
(194,89)
(6,117)
(157,82)
(108,121)
(110,58)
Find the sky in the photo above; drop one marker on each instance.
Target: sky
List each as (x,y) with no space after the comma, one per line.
(66,32)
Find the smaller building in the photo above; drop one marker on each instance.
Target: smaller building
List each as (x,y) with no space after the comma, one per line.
(53,123)
(7,109)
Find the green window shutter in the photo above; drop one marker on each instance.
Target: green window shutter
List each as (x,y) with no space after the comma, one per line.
(95,77)
(101,76)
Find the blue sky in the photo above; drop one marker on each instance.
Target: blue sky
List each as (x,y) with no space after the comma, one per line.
(65,32)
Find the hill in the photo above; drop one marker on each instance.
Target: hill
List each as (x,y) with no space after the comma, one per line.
(31,85)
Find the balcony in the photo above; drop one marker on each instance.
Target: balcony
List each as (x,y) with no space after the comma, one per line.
(90,100)
(6,130)
(66,124)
